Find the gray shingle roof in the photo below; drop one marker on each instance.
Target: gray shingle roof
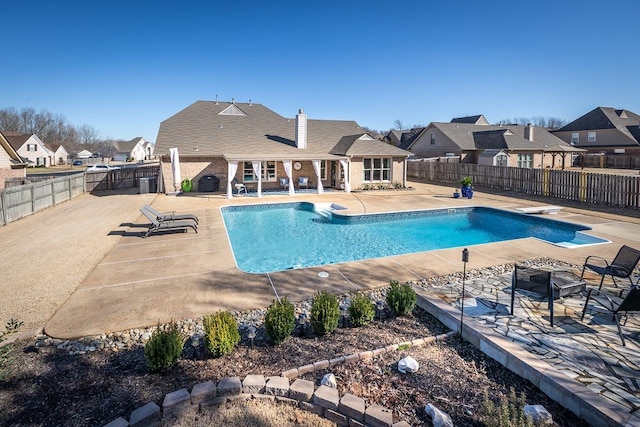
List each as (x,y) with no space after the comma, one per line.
(201,130)
(472,137)
(126,146)
(478,119)
(606,118)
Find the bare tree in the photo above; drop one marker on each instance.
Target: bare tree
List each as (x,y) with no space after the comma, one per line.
(87,134)
(398,124)
(542,121)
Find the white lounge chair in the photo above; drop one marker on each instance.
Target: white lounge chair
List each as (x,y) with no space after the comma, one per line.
(541,210)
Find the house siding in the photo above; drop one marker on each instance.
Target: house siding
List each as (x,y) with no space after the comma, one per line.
(422,147)
(606,140)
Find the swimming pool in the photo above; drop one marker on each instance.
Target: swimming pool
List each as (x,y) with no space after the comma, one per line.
(282,236)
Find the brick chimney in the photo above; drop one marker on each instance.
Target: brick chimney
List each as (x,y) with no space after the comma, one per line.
(301,129)
(528,132)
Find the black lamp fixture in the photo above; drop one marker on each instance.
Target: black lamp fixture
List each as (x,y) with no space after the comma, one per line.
(465,260)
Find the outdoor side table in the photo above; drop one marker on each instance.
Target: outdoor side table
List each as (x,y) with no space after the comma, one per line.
(552,284)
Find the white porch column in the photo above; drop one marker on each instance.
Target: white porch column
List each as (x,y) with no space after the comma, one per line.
(257,171)
(287,169)
(231,173)
(318,170)
(346,171)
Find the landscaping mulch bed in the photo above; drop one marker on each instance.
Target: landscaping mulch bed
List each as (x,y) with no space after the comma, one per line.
(49,387)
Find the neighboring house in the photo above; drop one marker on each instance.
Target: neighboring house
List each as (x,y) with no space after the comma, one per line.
(11,164)
(60,154)
(29,147)
(513,145)
(130,150)
(604,130)
(258,148)
(471,120)
(393,136)
(84,154)
(149,150)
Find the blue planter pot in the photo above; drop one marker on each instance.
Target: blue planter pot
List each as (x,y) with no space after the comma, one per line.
(470,193)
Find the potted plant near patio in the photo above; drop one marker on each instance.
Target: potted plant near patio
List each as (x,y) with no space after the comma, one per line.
(465,187)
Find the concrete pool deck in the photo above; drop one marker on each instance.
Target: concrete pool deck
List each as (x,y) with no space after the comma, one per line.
(141,282)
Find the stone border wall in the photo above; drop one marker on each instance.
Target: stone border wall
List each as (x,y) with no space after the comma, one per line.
(345,410)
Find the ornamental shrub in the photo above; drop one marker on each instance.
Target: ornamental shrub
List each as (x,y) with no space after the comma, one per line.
(361,310)
(325,313)
(401,298)
(220,333)
(280,320)
(164,348)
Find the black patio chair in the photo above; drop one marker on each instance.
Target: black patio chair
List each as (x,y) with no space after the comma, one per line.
(622,265)
(617,306)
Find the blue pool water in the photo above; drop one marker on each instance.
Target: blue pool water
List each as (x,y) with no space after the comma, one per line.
(276,237)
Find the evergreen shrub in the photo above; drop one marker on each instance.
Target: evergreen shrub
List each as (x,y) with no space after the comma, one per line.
(325,313)
(361,310)
(164,348)
(221,333)
(280,320)
(401,298)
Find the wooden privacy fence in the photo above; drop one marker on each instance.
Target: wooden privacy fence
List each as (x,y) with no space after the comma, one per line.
(586,187)
(120,178)
(20,201)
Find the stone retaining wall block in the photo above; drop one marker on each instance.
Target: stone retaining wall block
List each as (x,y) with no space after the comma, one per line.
(176,402)
(212,402)
(313,408)
(147,415)
(253,384)
(286,400)
(327,397)
(336,417)
(378,416)
(203,391)
(291,373)
(352,406)
(268,397)
(229,386)
(301,390)
(323,364)
(335,361)
(118,422)
(277,386)
(305,369)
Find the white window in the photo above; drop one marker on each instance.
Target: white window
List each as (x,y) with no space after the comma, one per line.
(268,171)
(575,137)
(323,169)
(32,147)
(377,169)
(41,161)
(433,139)
(525,160)
(591,137)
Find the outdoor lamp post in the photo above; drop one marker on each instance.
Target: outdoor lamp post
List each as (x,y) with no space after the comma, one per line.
(303,318)
(380,307)
(251,333)
(465,260)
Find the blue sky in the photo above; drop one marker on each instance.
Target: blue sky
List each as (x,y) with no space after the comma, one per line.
(124,66)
